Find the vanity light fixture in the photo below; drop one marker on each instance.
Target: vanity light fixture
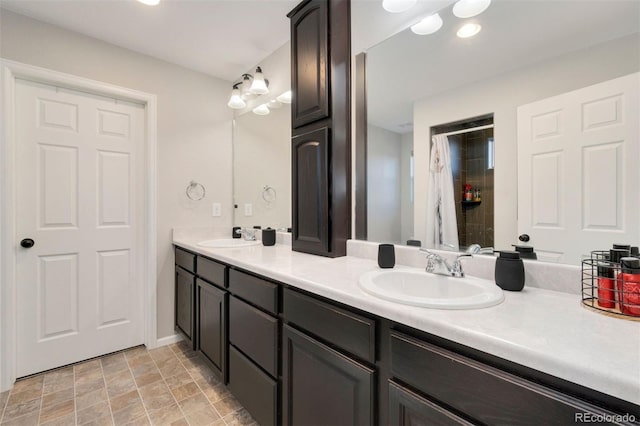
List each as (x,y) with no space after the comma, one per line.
(250,87)
(274,104)
(149,2)
(398,6)
(468,30)
(261,110)
(236,101)
(428,25)
(470,8)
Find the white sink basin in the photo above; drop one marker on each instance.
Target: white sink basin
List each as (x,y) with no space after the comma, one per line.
(419,288)
(227,243)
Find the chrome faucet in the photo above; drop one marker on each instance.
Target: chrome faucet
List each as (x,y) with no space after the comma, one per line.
(247,233)
(436,264)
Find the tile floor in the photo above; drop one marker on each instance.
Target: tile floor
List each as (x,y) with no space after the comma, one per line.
(164,386)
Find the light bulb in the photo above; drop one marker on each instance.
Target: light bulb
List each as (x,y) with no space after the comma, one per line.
(261,109)
(428,25)
(274,104)
(470,8)
(149,2)
(236,101)
(259,86)
(398,6)
(285,98)
(246,87)
(468,30)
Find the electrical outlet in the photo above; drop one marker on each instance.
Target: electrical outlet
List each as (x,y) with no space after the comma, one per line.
(248,209)
(216,209)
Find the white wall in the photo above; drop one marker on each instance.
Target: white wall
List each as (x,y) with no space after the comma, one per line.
(501,96)
(194,126)
(383,185)
(406,203)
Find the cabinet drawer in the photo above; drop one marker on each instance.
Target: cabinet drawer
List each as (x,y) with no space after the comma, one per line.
(211,271)
(254,333)
(352,332)
(406,408)
(186,260)
(482,392)
(255,290)
(255,390)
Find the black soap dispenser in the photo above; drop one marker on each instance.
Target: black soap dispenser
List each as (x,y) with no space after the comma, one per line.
(510,271)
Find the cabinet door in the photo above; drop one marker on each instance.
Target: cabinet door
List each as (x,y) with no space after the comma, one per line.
(310,75)
(184,302)
(211,320)
(322,386)
(310,171)
(409,409)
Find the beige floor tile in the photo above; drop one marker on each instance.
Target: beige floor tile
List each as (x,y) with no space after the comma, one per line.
(165,416)
(87,366)
(135,352)
(120,383)
(239,418)
(206,376)
(68,420)
(24,396)
(142,369)
(57,410)
(117,358)
(95,412)
(140,360)
(124,401)
(156,396)
(12,411)
(58,382)
(185,391)
(181,422)
(140,421)
(214,393)
(194,403)
(161,353)
(148,378)
(170,367)
(178,380)
(102,421)
(129,414)
(27,420)
(91,398)
(57,397)
(89,386)
(31,383)
(203,417)
(89,374)
(227,406)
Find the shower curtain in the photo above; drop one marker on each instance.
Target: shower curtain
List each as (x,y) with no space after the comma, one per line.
(442,228)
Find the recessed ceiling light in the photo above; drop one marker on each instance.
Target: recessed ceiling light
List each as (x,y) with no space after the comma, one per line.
(468,30)
(149,2)
(428,25)
(397,6)
(470,8)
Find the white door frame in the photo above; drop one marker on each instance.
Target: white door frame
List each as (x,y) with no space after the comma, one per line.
(9,72)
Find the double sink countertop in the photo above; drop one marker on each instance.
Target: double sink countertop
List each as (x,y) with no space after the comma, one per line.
(541,329)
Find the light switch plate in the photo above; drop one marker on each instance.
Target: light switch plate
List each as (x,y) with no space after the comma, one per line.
(216,209)
(248,209)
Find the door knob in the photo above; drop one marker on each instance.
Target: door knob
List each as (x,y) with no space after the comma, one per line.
(27,243)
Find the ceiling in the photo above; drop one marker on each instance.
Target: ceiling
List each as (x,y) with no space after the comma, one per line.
(221,38)
(515,34)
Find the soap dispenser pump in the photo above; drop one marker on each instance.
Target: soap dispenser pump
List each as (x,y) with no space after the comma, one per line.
(510,271)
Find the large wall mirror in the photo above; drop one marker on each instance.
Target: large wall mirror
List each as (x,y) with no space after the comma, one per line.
(262,153)
(540,110)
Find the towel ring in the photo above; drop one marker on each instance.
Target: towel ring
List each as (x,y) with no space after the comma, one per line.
(269,194)
(195,191)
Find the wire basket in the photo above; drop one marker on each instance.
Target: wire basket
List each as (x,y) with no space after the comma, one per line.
(606,290)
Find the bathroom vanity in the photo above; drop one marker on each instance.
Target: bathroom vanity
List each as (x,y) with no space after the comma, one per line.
(298,342)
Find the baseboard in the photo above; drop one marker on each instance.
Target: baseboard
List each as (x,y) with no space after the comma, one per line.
(168,340)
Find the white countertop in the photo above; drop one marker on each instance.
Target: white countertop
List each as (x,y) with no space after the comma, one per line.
(545,330)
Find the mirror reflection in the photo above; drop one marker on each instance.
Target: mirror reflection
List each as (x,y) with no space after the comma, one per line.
(557,78)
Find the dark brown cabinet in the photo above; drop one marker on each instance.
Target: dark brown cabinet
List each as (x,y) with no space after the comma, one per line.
(185,283)
(310,82)
(406,408)
(211,325)
(310,190)
(321,126)
(322,386)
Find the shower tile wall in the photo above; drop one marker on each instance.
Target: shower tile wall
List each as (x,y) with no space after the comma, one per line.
(469,164)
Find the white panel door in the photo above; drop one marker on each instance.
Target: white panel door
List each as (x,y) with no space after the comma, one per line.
(578,173)
(78,196)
